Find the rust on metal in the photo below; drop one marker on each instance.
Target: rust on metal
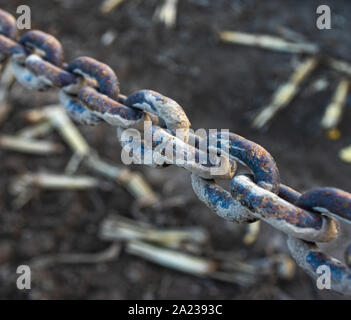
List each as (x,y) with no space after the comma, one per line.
(57,76)
(309,257)
(165,108)
(90,94)
(9,47)
(39,40)
(111,111)
(255,157)
(7,24)
(102,73)
(330,201)
(281,214)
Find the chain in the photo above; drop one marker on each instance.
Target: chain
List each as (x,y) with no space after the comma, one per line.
(89,92)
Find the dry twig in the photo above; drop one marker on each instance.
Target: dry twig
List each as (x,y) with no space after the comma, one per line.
(107,255)
(267,42)
(27,145)
(117,228)
(166,13)
(333,112)
(109,5)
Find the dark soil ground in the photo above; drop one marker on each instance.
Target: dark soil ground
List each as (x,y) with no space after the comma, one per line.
(219,86)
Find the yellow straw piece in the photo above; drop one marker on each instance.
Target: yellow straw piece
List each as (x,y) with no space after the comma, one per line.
(345,154)
(333,113)
(109,5)
(334,134)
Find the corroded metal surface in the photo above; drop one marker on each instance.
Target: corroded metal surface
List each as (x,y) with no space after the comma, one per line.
(89,91)
(113,112)
(9,47)
(37,40)
(7,25)
(28,79)
(288,194)
(220,201)
(309,257)
(159,148)
(281,214)
(58,77)
(331,201)
(165,108)
(255,157)
(102,73)
(76,111)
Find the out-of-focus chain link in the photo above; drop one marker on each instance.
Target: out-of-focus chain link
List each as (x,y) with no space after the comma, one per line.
(89,91)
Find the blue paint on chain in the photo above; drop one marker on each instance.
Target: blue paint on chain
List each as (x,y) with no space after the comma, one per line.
(7,25)
(36,39)
(57,76)
(97,98)
(102,73)
(337,270)
(331,201)
(254,156)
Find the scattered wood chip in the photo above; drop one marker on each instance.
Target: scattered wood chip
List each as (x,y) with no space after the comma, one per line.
(253,230)
(166,13)
(36,131)
(172,259)
(231,271)
(340,65)
(28,145)
(117,228)
(267,42)
(333,112)
(134,182)
(52,181)
(6,81)
(24,185)
(109,5)
(345,154)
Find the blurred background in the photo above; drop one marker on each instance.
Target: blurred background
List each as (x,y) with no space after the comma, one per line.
(219,85)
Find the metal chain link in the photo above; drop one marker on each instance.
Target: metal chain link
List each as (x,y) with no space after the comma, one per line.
(89,91)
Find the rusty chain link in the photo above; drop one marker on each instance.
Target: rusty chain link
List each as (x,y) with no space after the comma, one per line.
(89,92)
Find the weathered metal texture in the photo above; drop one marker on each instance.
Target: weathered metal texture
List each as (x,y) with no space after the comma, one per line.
(281,214)
(28,78)
(254,156)
(57,76)
(158,147)
(330,201)
(85,104)
(102,73)
(309,257)
(251,155)
(94,96)
(38,43)
(167,109)
(110,110)
(76,111)
(7,24)
(9,47)
(220,201)
(288,194)
(48,44)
